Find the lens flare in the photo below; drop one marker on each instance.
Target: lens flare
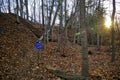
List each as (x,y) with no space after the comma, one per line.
(107,22)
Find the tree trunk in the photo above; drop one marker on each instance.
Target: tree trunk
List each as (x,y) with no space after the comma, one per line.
(1,2)
(98,41)
(17,11)
(17,7)
(43,14)
(9,6)
(65,22)
(21,8)
(54,18)
(85,68)
(61,24)
(34,9)
(64,75)
(26,5)
(101,40)
(39,13)
(113,36)
(47,11)
(50,16)
(43,24)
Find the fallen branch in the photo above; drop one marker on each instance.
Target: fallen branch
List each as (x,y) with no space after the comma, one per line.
(64,75)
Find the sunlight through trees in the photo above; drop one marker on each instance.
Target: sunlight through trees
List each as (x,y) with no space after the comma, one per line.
(107,22)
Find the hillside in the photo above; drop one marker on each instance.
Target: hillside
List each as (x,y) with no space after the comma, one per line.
(16,48)
(18,55)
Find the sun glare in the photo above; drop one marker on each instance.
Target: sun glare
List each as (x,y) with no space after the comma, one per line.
(107,21)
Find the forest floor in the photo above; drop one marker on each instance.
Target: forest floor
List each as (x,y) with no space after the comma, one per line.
(19,60)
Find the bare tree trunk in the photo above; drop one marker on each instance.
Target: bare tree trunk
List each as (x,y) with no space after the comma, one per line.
(17,11)
(49,19)
(17,7)
(43,14)
(113,36)
(98,41)
(1,2)
(34,9)
(61,25)
(54,18)
(43,24)
(65,22)
(85,68)
(21,8)
(50,15)
(26,5)
(101,40)
(39,12)
(9,6)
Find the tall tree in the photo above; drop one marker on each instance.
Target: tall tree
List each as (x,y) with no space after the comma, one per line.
(17,7)
(1,2)
(57,9)
(61,25)
(50,14)
(65,2)
(26,5)
(42,14)
(99,14)
(112,30)
(54,19)
(50,18)
(34,11)
(9,6)
(17,11)
(21,8)
(39,12)
(85,68)
(43,24)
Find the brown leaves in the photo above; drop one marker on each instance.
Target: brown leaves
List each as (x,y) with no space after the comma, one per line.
(18,57)
(15,50)
(100,66)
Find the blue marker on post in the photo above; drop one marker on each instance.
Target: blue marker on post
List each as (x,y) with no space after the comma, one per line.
(38,45)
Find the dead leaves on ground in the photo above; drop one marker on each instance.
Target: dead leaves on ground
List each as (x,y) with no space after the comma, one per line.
(18,58)
(100,66)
